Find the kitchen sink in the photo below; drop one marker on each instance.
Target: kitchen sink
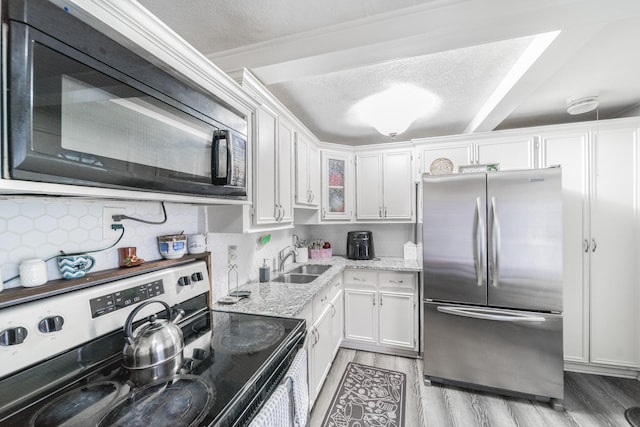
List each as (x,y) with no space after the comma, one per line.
(295,278)
(311,269)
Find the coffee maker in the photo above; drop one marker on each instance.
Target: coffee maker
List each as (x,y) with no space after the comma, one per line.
(360,245)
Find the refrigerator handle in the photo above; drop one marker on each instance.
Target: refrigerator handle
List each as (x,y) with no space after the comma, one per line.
(494,235)
(486,314)
(478,229)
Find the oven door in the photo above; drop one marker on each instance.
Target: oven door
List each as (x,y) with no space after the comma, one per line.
(76,120)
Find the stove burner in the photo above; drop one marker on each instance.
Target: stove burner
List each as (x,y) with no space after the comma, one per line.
(248,337)
(183,401)
(77,406)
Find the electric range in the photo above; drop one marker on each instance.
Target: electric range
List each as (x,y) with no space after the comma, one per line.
(62,357)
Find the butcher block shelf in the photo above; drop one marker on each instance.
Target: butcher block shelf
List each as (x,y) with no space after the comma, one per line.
(14,296)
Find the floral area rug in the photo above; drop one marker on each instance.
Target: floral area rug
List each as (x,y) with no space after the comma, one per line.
(368,396)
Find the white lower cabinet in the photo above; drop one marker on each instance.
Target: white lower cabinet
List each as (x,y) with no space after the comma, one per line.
(381,310)
(324,334)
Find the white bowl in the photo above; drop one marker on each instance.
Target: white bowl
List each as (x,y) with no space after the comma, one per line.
(172,246)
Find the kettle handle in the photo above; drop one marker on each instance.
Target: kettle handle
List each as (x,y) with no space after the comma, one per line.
(128,325)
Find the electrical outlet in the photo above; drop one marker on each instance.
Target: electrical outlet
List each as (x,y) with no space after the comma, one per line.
(107,213)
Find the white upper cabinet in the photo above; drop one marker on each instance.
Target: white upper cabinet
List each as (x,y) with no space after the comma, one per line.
(384,185)
(459,154)
(307,172)
(274,145)
(511,152)
(337,185)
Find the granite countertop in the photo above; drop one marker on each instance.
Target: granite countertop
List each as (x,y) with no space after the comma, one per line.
(288,299)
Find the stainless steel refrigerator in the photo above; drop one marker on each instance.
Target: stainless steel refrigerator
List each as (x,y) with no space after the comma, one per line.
(492,277)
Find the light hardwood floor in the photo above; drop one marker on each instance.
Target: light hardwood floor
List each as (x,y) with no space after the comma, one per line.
(590,400)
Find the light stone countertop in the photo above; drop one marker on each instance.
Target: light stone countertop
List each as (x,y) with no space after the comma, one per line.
(288,299)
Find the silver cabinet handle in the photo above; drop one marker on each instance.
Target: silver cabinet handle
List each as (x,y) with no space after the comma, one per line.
(324,213)
(333,310)
(276,213)
(586,245)
(358,279)
(323,299)
(396,281)
(384,209)
(308,195)
(374,299)
(313,196)
(380,300)
(489,314)
(594,244)
(494,265)
(478,230)
(380,212)
(337,284)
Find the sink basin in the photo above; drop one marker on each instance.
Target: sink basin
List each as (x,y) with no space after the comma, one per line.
(295,278)
(311,269)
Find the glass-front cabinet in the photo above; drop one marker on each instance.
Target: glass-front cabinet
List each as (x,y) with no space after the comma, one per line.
(337,184)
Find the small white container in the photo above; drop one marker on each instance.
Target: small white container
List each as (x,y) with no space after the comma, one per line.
(302,254)
(33,272)
(197,243)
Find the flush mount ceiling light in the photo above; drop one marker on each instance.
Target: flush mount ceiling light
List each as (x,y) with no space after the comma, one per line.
(392,111)
(582,105)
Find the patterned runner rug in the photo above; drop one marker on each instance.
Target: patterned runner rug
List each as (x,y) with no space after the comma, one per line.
(368,396)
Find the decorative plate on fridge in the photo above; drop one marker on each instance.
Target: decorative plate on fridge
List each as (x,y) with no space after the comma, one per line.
(441,166)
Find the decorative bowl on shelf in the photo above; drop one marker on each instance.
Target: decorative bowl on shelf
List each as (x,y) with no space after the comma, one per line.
(172,246)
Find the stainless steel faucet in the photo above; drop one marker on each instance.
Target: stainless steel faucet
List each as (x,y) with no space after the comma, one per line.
(283,255)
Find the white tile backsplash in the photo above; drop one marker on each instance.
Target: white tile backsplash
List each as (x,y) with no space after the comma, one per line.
(41,227)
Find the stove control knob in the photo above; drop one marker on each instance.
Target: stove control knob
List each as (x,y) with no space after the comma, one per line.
(197,277)
(199,354)
(184,281)
(51,324)
(13,336)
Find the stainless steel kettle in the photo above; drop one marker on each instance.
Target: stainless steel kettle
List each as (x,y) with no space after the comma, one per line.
(155,349)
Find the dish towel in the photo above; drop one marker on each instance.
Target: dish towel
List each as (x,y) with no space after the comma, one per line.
(276,411)
(297,376)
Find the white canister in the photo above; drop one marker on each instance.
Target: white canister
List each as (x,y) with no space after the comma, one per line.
(197,243)
(302,254)
(33,272)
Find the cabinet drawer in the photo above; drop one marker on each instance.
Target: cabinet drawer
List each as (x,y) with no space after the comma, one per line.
(361,277)
(392,279)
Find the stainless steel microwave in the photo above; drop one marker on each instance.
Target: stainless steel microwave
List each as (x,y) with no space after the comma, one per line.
(85,110)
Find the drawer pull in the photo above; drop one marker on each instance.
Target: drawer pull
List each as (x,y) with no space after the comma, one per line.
(357,279)
(396,281)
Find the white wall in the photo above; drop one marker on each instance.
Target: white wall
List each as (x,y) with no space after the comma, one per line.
(388,239)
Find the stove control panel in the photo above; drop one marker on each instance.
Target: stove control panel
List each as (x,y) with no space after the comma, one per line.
(111,302)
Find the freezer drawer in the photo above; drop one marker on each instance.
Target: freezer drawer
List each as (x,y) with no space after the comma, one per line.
(511,350)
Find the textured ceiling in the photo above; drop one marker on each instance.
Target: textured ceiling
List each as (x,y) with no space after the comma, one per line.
(319,58)
(461,78)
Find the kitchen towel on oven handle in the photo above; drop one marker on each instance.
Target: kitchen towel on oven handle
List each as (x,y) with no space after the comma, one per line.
(276,411)
(296,378)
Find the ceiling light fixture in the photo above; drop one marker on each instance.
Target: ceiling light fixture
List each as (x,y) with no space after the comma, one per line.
(582,105)
(392,111)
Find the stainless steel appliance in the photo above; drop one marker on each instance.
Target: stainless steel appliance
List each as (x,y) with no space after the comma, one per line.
(63,356)
(492,271)
(360,245)
(84,110)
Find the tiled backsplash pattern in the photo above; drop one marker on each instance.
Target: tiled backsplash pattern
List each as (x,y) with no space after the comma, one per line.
(42,227)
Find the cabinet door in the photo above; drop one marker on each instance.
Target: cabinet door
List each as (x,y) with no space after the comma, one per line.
(459,154)
(360,315)
(285,189)
(369,186)
(571,152)
(314,175)
(302,170)
(397,185)
(512,153)
(397,319)
(335,191)
(337,322)
(321,352)
(614,248)
(265,183)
